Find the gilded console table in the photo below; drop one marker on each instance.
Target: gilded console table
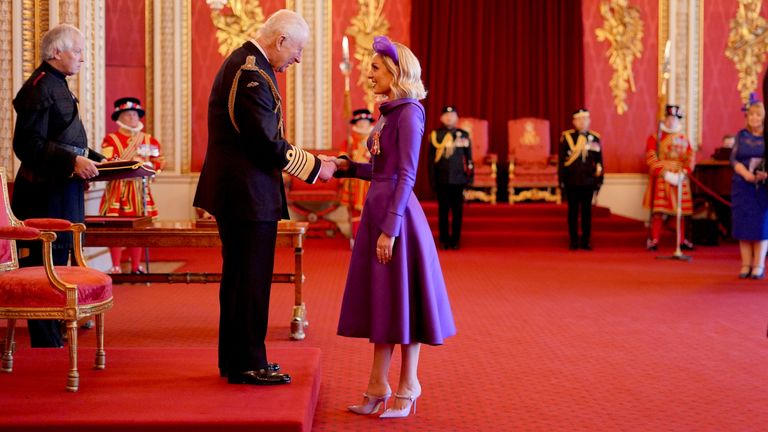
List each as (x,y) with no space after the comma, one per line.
(183,234)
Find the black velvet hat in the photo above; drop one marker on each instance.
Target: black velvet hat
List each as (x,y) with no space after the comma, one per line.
(127,104)
(449,108)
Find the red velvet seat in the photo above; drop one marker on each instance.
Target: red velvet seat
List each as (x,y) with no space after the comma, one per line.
(532,167)
(47,292)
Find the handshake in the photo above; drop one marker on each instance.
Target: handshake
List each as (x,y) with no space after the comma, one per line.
(331,164)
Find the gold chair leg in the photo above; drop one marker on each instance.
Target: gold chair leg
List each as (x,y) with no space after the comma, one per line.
(299,322)
(73,379)
(7,363)
(101,356)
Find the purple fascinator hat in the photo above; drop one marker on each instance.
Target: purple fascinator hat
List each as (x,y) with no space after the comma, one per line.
(753,99)
(383,46)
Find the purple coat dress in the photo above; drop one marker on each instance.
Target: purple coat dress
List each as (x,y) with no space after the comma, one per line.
(403,301)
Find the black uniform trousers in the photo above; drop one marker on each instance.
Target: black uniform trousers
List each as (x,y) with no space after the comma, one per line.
(248,252)
(579,198)
(44,333)
(450,201)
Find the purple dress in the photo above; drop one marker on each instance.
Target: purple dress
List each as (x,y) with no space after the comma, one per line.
(403,301)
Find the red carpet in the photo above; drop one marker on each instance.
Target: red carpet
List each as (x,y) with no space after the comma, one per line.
(152,389)
(548,340)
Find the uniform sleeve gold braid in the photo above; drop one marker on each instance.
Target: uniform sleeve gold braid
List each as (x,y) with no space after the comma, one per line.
(300,163)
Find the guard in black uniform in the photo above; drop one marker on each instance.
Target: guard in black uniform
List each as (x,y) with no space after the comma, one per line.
(580,174)
(50,141)
(450,171)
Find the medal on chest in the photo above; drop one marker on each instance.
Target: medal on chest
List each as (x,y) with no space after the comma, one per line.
(376,137)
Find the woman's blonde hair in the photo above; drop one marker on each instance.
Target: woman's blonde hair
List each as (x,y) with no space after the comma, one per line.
(406,81)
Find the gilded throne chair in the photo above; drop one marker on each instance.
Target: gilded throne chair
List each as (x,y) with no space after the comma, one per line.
(66,293)
(532,167)
(483,187)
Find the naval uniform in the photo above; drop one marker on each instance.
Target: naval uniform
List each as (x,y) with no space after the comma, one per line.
(580,174)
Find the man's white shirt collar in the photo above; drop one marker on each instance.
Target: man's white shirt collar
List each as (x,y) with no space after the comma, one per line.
(253,41)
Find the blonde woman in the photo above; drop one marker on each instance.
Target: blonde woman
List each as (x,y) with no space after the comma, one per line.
(395,292)
(750,199)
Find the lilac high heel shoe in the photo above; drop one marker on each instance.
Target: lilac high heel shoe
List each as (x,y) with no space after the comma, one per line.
(372,406)
(401,413)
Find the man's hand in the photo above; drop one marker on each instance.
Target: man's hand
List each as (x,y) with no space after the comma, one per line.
(327,168)
(85,168)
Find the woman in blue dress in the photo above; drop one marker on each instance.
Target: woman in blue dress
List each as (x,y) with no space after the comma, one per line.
(395,292)
(748,192)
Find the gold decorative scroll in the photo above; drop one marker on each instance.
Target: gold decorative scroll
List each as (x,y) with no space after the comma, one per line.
(623,29)
(747,44)
(35,17)
(236,23)
(368,23)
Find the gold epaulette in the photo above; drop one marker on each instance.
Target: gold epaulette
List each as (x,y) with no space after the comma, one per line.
(594,133)
(569,131)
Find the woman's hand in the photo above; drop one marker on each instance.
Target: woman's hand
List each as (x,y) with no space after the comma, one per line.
(748,176)
(760,176)
(384,247)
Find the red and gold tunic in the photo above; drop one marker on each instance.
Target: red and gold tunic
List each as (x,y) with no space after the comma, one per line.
(123,197)
(674,154)
(354,190)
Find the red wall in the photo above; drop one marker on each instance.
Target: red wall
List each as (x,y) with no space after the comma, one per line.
(623,136)
(124,47)
(398,14)
(722,103)
(206,61)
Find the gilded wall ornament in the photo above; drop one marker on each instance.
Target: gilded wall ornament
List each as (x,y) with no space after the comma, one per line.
(368,23)
(747,44)
(623,29)
(236,23)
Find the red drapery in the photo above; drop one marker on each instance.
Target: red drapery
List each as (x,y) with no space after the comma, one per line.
(498,61)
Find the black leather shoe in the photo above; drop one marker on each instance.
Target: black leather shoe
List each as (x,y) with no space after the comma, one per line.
(573,246)
(586,247)
(271,367)
(686,245)
(259,377)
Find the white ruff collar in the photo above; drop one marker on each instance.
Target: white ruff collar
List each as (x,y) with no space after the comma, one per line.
(671,131)
(133,131)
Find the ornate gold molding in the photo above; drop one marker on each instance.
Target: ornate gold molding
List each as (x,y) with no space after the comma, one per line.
(236,22)
(747,45)
(149,70)
(35,19)
(6,89)
(368,22)
(623,29)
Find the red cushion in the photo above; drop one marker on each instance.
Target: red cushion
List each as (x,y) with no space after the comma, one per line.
(29,287)
(49,224)
(19,233)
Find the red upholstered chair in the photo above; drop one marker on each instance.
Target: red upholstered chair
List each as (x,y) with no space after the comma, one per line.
(532,167)
(315,201)
(47,292)
(483,187)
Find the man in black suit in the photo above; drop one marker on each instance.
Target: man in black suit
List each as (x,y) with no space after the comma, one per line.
(51,143)
(241,185)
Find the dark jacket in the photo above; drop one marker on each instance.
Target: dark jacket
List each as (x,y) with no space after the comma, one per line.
(455,170)
(580,168)
(49,135)
(241,177)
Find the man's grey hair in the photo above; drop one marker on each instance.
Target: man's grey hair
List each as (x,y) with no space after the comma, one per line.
(60,38)
(283,22)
